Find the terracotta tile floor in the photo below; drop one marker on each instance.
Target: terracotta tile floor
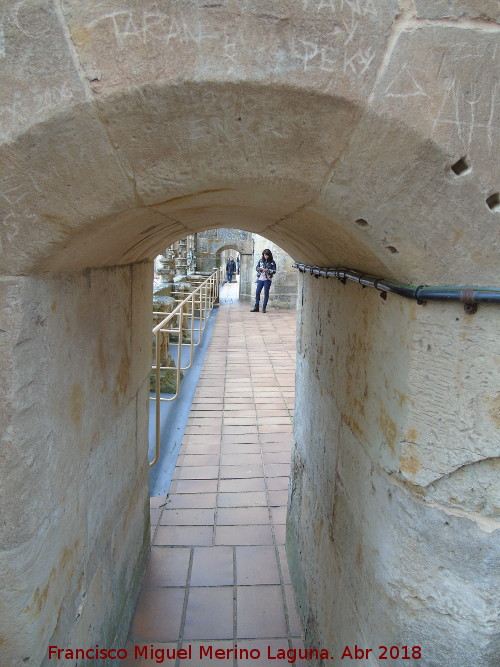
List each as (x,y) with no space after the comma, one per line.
(217,573)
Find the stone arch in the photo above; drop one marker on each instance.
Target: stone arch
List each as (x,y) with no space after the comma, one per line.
(348,154)
(228,246)
(305,205)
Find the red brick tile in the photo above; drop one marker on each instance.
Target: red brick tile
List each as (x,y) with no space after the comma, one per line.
(243,499)
(157,501)
(167,566)
(276,457)
(273,420)
(242,516)
(275,428)
(193,486)
(193,439)
(256,565)
(205,421)
(244,438)
(240,459)
(158,615)
(269,447)
(243,535)
(238,485)
(239,430)
(276,469)
(278,484)
(278,498)
(192,500)
(188,517)
(197,472)
(201,621)
(184,535)
(239,421)
(212,566)
(242,471)
(279,533)
(241,448)
(260,612)
(205,449)
(278,515)
(203,430)
(275,437)
(200,460)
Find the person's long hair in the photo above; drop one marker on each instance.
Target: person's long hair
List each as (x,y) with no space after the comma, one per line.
(268,252)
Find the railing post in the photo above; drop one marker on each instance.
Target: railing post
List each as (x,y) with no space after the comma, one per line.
(204,294)
(158,403)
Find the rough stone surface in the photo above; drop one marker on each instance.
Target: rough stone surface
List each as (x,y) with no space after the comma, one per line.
(448,69)
(345,131)
(74,446)
(39,77)
(458,9)
(195,151)
(400,555)
(329,42)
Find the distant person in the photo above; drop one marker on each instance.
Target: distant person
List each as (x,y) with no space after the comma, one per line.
(266,268)
(230,269)
(238,265)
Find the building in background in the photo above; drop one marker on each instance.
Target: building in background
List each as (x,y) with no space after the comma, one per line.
(203,252)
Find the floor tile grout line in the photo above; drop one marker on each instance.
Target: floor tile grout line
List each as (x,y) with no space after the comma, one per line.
(235,603)
(180,639)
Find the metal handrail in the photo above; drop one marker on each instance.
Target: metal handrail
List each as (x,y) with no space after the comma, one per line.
(469,296)
(180,321)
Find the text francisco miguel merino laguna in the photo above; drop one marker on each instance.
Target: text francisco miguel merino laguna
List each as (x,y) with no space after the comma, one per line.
(208,652)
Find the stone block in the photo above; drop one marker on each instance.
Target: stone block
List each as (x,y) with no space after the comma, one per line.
(39,77)
(449,98)
(458,9)
(73,334)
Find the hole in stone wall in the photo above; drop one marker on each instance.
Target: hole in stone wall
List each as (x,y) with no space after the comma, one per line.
(392,249)
(460,167)
(493,202)
(362,223)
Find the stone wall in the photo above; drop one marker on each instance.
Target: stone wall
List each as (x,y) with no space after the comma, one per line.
(211,242)
(74,530)
(350,133)
(393,528)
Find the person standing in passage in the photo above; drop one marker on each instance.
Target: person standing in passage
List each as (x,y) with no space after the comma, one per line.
(266,268)
(230,269)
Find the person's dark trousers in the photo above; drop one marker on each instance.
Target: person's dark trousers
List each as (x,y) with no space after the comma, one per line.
(266,284)
(229,277)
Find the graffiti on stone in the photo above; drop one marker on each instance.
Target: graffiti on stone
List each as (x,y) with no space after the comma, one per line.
(404,84)
(463,105)
(2,40)
(24,108)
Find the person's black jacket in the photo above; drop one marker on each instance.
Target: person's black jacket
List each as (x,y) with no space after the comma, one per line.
(231,266)
(270,268)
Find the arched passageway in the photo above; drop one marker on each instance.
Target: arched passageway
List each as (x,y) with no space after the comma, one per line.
(361,135)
